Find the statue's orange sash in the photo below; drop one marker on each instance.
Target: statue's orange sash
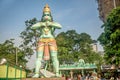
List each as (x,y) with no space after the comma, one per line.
(47,43)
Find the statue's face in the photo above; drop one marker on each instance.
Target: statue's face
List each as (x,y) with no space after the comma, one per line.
(46,16)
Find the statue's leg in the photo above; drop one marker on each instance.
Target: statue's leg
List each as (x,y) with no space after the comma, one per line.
(38,61)
(54,58)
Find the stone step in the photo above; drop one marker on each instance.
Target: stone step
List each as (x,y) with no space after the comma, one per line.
(61,78)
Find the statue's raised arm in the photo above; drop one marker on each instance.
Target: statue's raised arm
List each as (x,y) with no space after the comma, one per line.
(37,25)
(56,25)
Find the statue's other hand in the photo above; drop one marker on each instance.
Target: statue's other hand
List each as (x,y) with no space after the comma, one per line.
(49,24)
(42,24)
(55,25)
(38,25)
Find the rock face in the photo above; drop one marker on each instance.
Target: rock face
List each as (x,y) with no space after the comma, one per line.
(106,6)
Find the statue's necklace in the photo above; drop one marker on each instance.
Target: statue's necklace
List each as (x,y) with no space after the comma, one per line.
(46,30)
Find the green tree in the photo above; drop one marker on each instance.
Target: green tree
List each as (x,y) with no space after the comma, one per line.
(26,48)
(72,46)
(8,51)
(110,38)
(30,38)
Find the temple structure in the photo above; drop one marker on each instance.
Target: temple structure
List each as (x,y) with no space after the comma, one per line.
(80,65)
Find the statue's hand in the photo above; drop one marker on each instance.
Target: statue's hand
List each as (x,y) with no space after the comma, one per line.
(49,24)
(42,24)
(53,24)
(38,25)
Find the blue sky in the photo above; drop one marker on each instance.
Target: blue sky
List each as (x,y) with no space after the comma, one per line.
(80,15)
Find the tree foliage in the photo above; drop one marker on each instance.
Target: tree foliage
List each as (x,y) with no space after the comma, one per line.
(110,38)
(73,46)
(8,51)
(30,37)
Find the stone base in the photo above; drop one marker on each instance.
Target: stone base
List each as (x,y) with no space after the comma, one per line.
(61,78)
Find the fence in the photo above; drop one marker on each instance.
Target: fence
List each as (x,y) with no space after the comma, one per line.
(8,72)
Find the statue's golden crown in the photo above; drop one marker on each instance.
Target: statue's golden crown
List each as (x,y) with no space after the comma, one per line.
(46,8)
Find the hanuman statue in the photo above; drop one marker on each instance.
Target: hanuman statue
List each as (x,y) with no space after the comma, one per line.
(47,47)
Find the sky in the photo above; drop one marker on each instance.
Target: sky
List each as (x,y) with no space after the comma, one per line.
(80,15)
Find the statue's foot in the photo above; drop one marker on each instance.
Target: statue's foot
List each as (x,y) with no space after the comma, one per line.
(36,76)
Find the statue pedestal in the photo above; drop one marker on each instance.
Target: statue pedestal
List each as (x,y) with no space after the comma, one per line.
(61,78)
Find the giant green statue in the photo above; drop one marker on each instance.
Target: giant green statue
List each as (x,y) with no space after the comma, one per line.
(47,47)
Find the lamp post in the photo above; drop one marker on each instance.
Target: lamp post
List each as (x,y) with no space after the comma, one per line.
(16,56)
(3,61)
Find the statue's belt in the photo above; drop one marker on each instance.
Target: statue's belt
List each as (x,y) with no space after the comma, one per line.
(46,42)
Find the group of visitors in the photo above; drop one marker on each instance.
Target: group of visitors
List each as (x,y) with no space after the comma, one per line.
(91,76)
